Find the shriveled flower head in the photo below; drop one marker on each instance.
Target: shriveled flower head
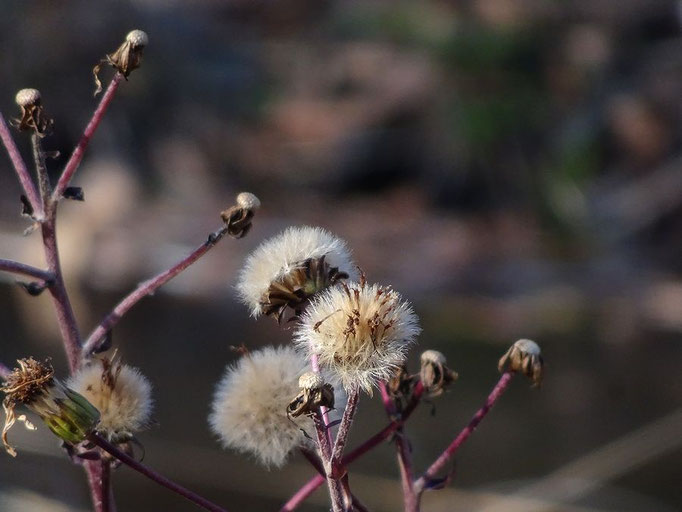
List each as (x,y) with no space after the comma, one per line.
(285,271)
(121,393)
(524,356)
(66,413)
(249,410)
(360,332)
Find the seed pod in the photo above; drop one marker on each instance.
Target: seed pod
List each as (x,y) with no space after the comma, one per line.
(314,394)
(238,218)
(32,115)
(524,356)
(435,375)
(126,58)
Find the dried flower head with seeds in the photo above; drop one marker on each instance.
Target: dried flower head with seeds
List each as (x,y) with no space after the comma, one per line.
(66,413)
(32,115)
(524,357)
(121,393)
(285,271)
(238,218)
(249,410)
(434,373)
(360,332)
(126,58)
(314,393)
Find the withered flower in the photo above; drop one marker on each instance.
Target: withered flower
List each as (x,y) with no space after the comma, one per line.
(32,115)
(66,413)
(238,218)
(524,357)
(400,386)
(126,58)
(283,273)
(435,376)
(314,394)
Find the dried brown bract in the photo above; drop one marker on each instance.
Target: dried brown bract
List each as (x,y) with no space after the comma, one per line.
(434,373)
(126,58)
(524,357)
(400,387)
(314,394)
(238,218)
(32,115)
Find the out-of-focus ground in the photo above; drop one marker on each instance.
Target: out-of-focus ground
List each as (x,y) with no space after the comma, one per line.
(513,167)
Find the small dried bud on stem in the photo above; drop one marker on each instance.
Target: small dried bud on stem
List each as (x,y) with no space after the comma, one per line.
(315,393)
(32,115)
(126,58)
(524,357)
(238,218)
(435,376)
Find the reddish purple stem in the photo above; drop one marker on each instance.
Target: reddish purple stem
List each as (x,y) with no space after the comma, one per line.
(27,270)
(153,475)
(22,171)
(77,155)
(147,288)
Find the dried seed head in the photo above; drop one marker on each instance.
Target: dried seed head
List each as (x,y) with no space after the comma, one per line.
(360,333)
(400,387)
(435,376)
(310,380)
(284,272)
(121,393)
(314,394)
(249,410)
(524,356)
(27,97)
(137,38)
(66,413)
(32,115)
(238,218)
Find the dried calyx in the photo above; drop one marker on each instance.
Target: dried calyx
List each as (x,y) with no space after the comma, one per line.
(314,394)
(434,373)
(32,115)
(524,357)
(400,387)
(238,218)
(66,413)
(126,58)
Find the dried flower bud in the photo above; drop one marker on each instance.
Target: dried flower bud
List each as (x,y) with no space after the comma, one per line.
(435,376)
(314,394)
(238,218)
(32,115)
(524,357)
(66,413)
(400,387)
(126,58)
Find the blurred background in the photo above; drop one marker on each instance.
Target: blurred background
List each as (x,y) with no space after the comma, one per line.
(513,167)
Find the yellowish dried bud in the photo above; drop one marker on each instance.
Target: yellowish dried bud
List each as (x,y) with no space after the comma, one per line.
(310,381)
(137,38)
(27,97)
(32,115)
(126,58)
(433,357)
(524,356)
(314,394)
(434,374)
(238,218)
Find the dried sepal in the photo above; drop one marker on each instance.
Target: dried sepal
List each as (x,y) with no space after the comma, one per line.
(238,218)
(314,394)
(434,373)
(125,59)
(524,356)
(400,387)
(33,116)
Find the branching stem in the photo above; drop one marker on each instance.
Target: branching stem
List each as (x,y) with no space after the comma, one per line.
(27,270)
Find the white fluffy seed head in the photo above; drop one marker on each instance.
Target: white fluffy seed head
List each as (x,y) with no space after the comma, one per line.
(249,410)
(137,38)
(27,97)
(121,393)
(248,201)
(361,333)
(432,356)
(284,253)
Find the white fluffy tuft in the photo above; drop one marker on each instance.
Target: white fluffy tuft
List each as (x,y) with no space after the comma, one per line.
(285,252)
(359,332)
(250,402)
(124,401)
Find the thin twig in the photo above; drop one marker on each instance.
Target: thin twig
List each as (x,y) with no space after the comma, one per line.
(344,431)
(105,482)
(26,270)
(315,482)
(21,170)
(41,171)
(94,472)
(147,288)
(153,475)
(404,455)
(78,152)
(335,492)
(452,448)
(315,365)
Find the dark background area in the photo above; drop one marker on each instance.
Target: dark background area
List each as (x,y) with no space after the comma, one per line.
(512,167)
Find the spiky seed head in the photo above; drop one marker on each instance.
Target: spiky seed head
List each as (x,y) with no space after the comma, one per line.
(524,356)
(310,381)
(248,201)
(285,271)
(137,38)
(360,332)
(27,97)
(249,409)
(121,393)
(432,356)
